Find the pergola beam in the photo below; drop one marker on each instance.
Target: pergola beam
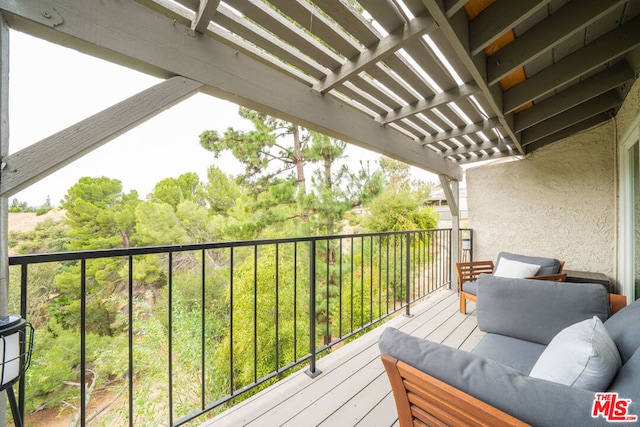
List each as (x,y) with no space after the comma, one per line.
(485,145)
(545,35)
(463,130)
(435,101)
(593,107)
(41,159)
(489,156)
(600,51)
(206,10)
(568,131)
(417,27)
(499,18)
(476,66)
(133,35)
(574,95)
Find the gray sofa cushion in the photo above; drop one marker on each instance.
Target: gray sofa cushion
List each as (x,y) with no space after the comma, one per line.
(536,310)
(626,382)
(518,354)
(547,265)
(470,287)
(623,329)
(535,401)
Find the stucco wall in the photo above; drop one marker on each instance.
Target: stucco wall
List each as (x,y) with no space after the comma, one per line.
(560,201)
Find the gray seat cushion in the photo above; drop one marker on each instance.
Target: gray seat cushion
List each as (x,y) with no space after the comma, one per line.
(518,354)
(547,265)
(536,310)
(623,329)
(470,287)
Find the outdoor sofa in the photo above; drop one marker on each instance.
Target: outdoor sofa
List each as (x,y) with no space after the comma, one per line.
(541,337)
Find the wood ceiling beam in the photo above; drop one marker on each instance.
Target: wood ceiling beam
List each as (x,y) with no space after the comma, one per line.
(41,159)
(485,145)
(593,107)
(417,27)
(206,10)
(613,44)
(593,86)
(435,101)
(464,130)
(542,37)
(498,18)
(506,152)
(475,65)
(567,132)
(453,6)
(132,35)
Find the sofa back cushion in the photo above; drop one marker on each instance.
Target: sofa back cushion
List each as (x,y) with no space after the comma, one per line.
(536,310)
(623,328)
(547,265)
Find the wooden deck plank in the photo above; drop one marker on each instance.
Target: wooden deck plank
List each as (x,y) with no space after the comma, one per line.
(353,388)
(384,412)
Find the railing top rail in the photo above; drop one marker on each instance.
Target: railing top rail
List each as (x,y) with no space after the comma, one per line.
(147,250)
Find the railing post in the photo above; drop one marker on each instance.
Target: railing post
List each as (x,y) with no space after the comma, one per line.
(407,273)
(312,371)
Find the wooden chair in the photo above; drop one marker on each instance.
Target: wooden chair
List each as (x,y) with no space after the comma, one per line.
(469,272)
(422,400)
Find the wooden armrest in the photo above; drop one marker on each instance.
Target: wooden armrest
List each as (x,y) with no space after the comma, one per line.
(560,277)
(616,303)
(424,400)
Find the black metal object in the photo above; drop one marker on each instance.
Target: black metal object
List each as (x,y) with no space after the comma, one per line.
(16,341)
(403,268)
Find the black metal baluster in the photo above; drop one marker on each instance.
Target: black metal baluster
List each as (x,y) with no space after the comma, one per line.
(170,325)
(130,373)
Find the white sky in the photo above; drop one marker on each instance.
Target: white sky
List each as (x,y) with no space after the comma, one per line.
(51,88)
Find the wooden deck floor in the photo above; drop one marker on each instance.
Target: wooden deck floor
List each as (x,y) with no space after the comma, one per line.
(353,389)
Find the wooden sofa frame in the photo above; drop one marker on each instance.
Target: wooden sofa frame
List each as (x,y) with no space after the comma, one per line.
(422,400)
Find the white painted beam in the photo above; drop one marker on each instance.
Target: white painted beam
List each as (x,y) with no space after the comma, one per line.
(452,193)
(133,35)
(476,66)
(206,10)
(385,48)
(485,145)
(433,102)
(542,37)
(596,53)
(38,160)
(463,130)
(590,108)
(499,18)
(572,96)
(568,131)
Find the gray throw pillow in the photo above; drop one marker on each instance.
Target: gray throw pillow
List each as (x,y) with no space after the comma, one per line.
(582,355)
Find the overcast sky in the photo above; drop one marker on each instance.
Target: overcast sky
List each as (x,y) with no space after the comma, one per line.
(51,88)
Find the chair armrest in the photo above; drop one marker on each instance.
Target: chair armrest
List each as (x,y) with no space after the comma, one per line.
(532,400)
(536,310)
(617,303)
(559,277)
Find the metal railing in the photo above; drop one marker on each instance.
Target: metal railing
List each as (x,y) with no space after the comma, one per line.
(230,318)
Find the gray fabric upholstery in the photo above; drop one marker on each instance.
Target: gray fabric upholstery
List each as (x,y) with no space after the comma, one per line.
(535,401)
(536,310)
(470,287)
(547,265)
(626,382)
(623,329)
(518,354)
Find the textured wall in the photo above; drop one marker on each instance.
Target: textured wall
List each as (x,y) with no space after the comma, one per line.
(560,201)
